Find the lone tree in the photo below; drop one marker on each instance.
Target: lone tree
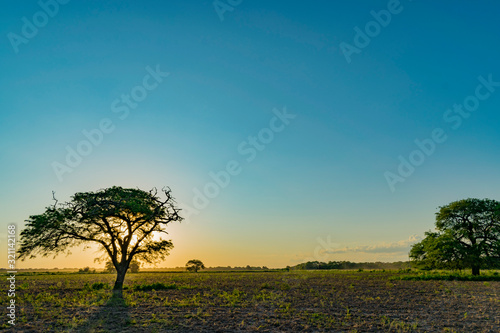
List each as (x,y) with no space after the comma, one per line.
(125,223)
(194,265)
(468,236)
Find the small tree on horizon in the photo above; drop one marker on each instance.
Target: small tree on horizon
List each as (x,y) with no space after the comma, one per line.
(86,270)
(134,266)
(123,222)
(194,265)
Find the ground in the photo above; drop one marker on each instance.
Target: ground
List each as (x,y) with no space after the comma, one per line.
(295,301)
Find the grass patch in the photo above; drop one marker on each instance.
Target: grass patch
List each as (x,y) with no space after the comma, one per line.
(155,286)
(95,286)
(447,276)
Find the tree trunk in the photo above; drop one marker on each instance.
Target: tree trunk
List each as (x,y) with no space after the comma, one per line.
(118,287)
(475,258)
(475,269)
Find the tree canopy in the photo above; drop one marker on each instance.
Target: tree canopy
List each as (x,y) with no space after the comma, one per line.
(468,236)
(125,223)
(194,265)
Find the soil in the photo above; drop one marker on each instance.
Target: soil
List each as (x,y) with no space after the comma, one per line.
(306,301)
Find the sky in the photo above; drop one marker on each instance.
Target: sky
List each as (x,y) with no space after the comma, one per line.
(287,131)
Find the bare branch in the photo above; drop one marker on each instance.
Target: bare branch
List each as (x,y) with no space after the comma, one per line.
(54,198)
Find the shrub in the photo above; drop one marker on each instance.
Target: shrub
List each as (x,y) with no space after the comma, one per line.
(95,286)
(155,286)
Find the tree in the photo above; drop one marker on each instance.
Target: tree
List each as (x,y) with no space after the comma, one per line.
(109,267)
(194,265)
(134,266)
(438,251)
(125,224)
(468,236)
(86,270)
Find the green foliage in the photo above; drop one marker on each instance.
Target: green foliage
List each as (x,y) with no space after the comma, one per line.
(109,217)
(134,266)
(95,286)
(285,287)
(311,265)
(122,222)
(234,298)
(109,267)
(317,301)
(194,265)
(448,276)
(155,286)
(86,270)
(438,251)
(468,237)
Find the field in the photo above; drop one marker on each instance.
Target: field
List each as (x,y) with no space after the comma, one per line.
(279,301)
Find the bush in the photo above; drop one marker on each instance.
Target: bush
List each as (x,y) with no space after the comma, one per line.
(86,270)
(95,286)
(155,286)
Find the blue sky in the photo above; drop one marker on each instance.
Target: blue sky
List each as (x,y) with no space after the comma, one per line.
(323,176)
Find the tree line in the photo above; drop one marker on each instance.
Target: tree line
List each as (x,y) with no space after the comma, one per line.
(351,265)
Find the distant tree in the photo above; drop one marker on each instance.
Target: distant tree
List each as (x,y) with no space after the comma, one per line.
(312,265)
(468,236)
(134,266)
(123,222)
(109,267)
(194,265)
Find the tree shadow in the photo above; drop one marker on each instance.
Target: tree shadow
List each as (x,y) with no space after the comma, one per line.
(111,317)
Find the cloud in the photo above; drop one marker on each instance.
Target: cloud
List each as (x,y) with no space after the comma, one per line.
(397,247)
(327,250)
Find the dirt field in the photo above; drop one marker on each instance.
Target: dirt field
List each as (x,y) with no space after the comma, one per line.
(296,301)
